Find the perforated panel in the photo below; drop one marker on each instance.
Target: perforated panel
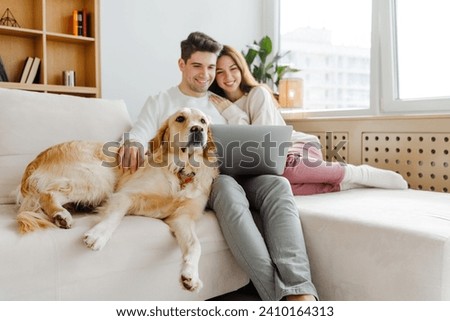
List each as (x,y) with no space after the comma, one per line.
(334,145)
(421,158)
(321,137)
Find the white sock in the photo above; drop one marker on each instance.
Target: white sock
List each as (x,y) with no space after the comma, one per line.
(368,176)
(348,185)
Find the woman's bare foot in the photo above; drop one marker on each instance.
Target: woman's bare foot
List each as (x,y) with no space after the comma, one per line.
(301,297)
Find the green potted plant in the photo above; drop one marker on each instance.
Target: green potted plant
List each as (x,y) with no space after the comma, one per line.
(266,70)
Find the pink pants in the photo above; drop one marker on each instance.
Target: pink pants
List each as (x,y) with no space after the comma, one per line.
(309,174)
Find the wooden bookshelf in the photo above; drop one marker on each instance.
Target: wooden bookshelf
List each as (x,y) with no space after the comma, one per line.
(46,32)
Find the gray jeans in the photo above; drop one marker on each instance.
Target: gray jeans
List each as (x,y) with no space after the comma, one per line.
(273,256)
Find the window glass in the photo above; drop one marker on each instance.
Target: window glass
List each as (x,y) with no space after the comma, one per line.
(423,48)
(330,42)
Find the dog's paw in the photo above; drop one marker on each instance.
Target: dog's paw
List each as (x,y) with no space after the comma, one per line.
(63,219)
(191,284)
(190,279)
(96,238)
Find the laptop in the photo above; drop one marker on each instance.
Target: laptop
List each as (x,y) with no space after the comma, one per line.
(252,149)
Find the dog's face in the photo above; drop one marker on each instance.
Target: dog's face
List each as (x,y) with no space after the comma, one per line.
(188,128)
(185,130)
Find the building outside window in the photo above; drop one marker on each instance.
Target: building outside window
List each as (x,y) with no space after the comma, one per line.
(330,43)
(364,56)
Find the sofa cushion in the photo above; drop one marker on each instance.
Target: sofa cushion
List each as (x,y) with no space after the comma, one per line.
(141,261)
(31,122)
(375,244)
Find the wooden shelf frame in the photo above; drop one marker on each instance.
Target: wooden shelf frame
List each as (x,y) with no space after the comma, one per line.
(45,32)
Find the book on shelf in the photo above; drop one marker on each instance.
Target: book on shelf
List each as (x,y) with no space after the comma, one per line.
(84,22)
(26,69)
(75,22)
(80,22)
(34,70)
(3,75)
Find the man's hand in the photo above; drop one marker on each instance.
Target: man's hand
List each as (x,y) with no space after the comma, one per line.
(130,158)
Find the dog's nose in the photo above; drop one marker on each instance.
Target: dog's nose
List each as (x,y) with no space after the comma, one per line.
(195,129)
(196,135)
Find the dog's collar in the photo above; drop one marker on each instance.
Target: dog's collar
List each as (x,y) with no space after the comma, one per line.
(185,178)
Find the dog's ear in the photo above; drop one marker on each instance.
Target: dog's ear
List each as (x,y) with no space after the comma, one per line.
(210,151)
(159,144)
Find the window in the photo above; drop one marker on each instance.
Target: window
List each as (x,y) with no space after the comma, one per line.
(415,50)
(414,43)
(396,63)
(329,40)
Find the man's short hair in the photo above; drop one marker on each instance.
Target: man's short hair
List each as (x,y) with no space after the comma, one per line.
(198,41)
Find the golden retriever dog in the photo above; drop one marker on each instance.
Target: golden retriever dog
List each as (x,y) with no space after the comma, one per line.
(173,185)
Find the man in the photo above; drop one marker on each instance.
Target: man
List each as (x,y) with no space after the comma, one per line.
(276,263)
(198,71)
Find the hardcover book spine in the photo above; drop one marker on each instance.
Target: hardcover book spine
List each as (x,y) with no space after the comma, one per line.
(3,75)
(75,22)
(26,70)
(33,71)
(85,33)
(80,23)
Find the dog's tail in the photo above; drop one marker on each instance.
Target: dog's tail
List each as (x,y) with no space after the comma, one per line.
(31,217)
(31,221)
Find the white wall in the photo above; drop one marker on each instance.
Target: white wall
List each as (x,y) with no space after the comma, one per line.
(140,40)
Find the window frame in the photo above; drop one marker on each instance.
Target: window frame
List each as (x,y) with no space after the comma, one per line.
(390,102)
(383,68)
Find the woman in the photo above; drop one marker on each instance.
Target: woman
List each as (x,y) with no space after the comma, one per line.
(305,168)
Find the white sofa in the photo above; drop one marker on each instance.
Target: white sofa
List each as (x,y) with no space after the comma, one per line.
(142,260)
(363,244)
(374,244)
